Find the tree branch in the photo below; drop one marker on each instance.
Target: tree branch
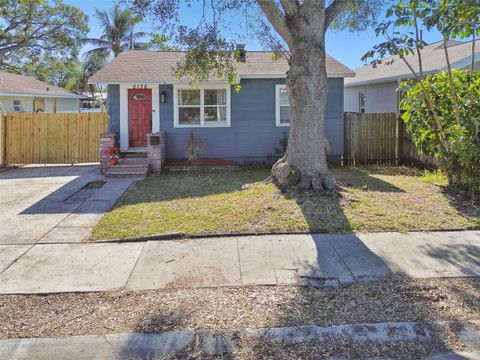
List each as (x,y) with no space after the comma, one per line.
(277,19)
(289,6)
(333,10)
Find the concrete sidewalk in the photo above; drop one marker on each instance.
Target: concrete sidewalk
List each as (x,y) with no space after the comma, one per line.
(319,260)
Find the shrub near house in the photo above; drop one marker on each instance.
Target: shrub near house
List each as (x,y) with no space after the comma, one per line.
(461,160)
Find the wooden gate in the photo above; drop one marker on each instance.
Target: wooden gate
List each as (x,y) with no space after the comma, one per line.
(51,138)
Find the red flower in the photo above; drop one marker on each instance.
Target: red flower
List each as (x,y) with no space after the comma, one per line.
(113,161)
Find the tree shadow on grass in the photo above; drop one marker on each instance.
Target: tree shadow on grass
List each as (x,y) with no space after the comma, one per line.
(461,202)
(180,185)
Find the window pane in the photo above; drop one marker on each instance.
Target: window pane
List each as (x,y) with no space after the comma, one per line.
(362,100)
(215,113)
(284,97)
(284,114)
(215,97)
(189,115)
(189,97)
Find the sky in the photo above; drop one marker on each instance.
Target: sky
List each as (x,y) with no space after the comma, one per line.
(345,46)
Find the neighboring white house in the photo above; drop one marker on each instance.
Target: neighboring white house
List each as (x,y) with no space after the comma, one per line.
(25,94)
(374,90)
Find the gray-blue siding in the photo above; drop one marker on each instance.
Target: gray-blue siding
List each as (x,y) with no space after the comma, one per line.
(113,108)
(252,135)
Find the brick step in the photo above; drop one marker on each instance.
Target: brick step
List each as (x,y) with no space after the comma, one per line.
(135,155)
(124,176)
(128,162)
(127,170)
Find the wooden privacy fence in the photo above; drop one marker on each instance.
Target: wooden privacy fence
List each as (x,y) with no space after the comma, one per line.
(53,138)
(380,139)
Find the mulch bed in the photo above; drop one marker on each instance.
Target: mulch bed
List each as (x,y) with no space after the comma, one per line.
(207,163)
(396,298)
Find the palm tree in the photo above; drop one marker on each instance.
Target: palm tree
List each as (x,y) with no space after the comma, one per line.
(118,32)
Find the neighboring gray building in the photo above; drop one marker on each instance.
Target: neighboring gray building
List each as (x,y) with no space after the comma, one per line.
(25,94)
(244,126)
(374,90)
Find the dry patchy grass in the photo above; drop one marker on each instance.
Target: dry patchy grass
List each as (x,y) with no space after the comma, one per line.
(373,199)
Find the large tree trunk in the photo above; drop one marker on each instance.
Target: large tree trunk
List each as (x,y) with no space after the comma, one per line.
(304,165)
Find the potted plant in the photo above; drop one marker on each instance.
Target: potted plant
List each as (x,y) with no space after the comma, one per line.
(114,153)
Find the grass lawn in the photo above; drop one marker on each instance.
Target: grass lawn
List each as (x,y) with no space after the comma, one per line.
(373,199)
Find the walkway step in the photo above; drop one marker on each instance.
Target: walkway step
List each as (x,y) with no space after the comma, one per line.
(219,342)
(138,169)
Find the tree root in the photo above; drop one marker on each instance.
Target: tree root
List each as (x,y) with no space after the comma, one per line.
(287,178)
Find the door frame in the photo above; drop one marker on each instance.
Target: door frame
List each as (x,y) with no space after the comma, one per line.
(124,124)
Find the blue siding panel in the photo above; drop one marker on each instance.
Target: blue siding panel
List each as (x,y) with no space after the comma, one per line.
(252,135)
(113,108)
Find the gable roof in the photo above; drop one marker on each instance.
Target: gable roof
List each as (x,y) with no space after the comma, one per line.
(16,85)
(433,60)
(156,66)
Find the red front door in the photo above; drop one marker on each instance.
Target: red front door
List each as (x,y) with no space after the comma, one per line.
(139,116)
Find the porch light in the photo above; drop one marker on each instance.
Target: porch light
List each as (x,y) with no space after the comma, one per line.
(163,97)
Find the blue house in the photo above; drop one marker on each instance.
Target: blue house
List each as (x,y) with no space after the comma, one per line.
(244,126)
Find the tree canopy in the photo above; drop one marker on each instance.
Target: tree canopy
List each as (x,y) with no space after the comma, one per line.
(38,28)
(294,29)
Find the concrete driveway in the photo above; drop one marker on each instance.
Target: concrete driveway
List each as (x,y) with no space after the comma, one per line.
(54,204)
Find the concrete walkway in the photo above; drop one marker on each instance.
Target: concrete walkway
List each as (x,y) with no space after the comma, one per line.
(319,260)
(217,343)
(52,204)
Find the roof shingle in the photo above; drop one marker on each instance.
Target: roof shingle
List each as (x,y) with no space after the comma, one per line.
(12,84)
(433,60)
(151,66)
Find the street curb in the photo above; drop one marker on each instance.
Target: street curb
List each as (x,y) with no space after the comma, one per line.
(184,236)
(208,342)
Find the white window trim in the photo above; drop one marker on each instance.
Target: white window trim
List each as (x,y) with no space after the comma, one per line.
(20,105)
(278,87)
(360,102)
(176,123)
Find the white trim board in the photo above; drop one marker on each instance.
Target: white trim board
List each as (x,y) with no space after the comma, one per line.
(124,138)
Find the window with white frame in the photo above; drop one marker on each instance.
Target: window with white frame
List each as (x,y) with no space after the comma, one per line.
(362,102)
(282,113)
(17,105)
(204,106)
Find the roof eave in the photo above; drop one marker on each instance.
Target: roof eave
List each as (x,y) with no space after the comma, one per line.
(243,76)
(73,96)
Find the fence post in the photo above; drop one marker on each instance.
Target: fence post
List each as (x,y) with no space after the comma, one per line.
(400,131)
(3,139)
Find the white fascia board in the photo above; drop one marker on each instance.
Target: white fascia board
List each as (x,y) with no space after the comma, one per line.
(45,95)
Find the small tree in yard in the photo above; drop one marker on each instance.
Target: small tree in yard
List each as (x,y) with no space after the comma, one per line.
(442,112)
(299,34)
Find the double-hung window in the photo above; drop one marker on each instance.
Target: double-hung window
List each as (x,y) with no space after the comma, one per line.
(207,106)
(282,111)
(17,105)
(362,102)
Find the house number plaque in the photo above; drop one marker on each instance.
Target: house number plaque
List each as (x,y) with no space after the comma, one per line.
(139,86)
